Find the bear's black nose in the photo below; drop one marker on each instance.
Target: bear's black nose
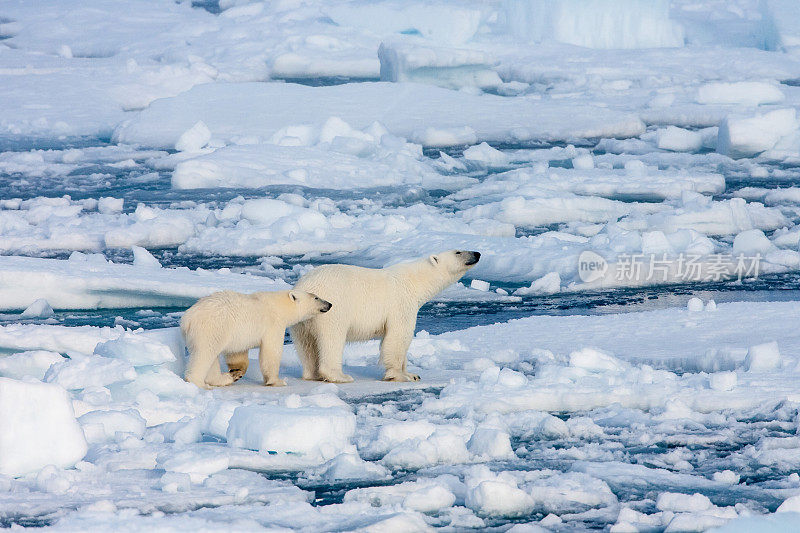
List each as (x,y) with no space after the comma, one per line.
(473,258)
(326,307)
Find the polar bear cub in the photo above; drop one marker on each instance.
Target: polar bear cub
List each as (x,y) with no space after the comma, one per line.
(231,323)
(371,304)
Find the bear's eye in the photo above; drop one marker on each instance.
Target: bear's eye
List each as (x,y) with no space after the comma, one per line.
(458,253)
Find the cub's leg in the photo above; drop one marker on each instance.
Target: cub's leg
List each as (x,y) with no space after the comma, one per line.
(394,347)
(269,358)
(307,352)
(237,364)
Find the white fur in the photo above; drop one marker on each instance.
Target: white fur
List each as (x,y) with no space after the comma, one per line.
(231,323)
(370,304)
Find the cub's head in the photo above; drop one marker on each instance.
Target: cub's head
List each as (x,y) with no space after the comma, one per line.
(308,305)
(454,262)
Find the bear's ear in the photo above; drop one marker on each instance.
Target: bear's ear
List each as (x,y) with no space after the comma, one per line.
(293,296)
(434,260)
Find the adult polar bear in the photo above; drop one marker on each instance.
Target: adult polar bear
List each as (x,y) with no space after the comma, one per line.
(371,304)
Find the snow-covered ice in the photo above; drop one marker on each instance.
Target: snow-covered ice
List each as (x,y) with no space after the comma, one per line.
(596,24)
(624,356)
(41,429)
(260,110)
(446,67)
(315,431)
(84,282)
(655,379)
(741,136)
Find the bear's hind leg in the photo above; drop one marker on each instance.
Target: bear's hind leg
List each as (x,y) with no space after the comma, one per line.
(307,352)
(331,348)
(394,347)
(216,378)
(199,366)
(237,364)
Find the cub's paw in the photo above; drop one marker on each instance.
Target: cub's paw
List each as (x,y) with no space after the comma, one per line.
(280,382)
(236,374)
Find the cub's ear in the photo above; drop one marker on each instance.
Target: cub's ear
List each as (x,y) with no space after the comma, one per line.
(434,260)
(293,296)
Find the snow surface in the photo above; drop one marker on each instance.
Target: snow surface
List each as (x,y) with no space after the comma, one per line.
(41,428)
(183,448)
(152,153)
(260,110)
(85,282)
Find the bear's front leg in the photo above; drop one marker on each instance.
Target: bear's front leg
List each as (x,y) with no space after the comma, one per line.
(269,359)
(394,347)
(331,349)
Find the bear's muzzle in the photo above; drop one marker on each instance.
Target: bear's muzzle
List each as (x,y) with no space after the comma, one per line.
(472,258)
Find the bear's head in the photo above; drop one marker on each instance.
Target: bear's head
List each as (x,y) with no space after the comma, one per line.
(428,276)
(454,263)
(308,305)
(440,270)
